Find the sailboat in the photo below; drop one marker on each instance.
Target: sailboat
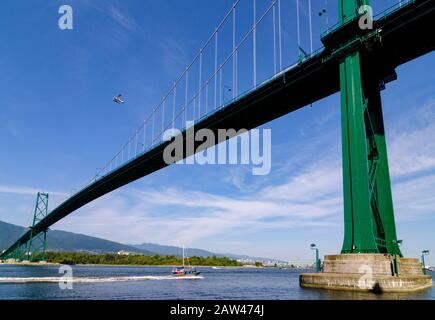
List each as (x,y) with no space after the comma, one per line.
(185,270)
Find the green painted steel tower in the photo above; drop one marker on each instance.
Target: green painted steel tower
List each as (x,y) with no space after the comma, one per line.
(34,249)
(368,206)
(37,243)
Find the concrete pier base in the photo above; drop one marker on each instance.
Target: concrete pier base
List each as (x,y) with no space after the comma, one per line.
(368,272)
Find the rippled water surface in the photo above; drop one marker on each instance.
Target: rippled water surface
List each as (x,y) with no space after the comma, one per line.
(131,282)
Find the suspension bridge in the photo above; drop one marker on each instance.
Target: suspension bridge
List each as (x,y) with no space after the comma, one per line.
(226,87)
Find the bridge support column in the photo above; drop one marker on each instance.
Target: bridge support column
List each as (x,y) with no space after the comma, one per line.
(368,205)
(370,253)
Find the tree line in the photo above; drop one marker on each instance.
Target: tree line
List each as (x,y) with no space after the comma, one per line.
(133,259)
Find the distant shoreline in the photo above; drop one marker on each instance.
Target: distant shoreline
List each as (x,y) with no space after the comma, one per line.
(36,264)
(126,265)
(123,260)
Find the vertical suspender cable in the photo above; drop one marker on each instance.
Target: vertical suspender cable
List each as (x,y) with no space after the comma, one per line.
(144,134)
(236,80)
(206,97)
(234,48)
(280,35)
(274,36)
(152,136)
(163,115)
(220,86)
(173,106)
(299,31)
(254,46)
(215,67)
(186,96)
(137,133)
(200,83)
(311,25)
(194,108)
(129,149)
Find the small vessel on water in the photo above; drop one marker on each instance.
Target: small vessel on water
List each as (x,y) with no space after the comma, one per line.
(185,270)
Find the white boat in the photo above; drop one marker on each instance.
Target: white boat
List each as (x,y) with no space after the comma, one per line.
(185,270)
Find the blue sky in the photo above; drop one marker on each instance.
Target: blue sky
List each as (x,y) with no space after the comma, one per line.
(58,125)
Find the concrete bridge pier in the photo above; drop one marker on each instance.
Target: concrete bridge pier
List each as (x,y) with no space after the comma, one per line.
(368,272)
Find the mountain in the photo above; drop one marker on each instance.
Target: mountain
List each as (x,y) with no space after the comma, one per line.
(178,251)
(67,241)
(172,250)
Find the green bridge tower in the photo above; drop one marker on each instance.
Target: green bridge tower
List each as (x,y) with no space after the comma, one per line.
(368,206)
(34,249)
(37,243)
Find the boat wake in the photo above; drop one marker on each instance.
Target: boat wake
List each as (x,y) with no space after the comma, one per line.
(94,279)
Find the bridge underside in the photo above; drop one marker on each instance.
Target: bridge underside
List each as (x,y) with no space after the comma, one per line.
(397,38)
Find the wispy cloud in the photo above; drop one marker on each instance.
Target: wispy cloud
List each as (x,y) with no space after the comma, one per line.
(23,190)
(123,29)
(412,148)
(122,18)
(415,199)
(189,216)
(174,55)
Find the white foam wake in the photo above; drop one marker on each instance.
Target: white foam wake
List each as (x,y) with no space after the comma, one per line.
(95,279)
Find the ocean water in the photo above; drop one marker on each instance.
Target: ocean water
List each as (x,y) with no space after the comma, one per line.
(134,282)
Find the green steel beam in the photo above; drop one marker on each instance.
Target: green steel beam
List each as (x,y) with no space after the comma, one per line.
(368,206)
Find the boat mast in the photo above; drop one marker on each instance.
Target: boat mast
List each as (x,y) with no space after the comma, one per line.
(183,255)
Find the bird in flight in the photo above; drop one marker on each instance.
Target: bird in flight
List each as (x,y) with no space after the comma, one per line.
(117,99)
